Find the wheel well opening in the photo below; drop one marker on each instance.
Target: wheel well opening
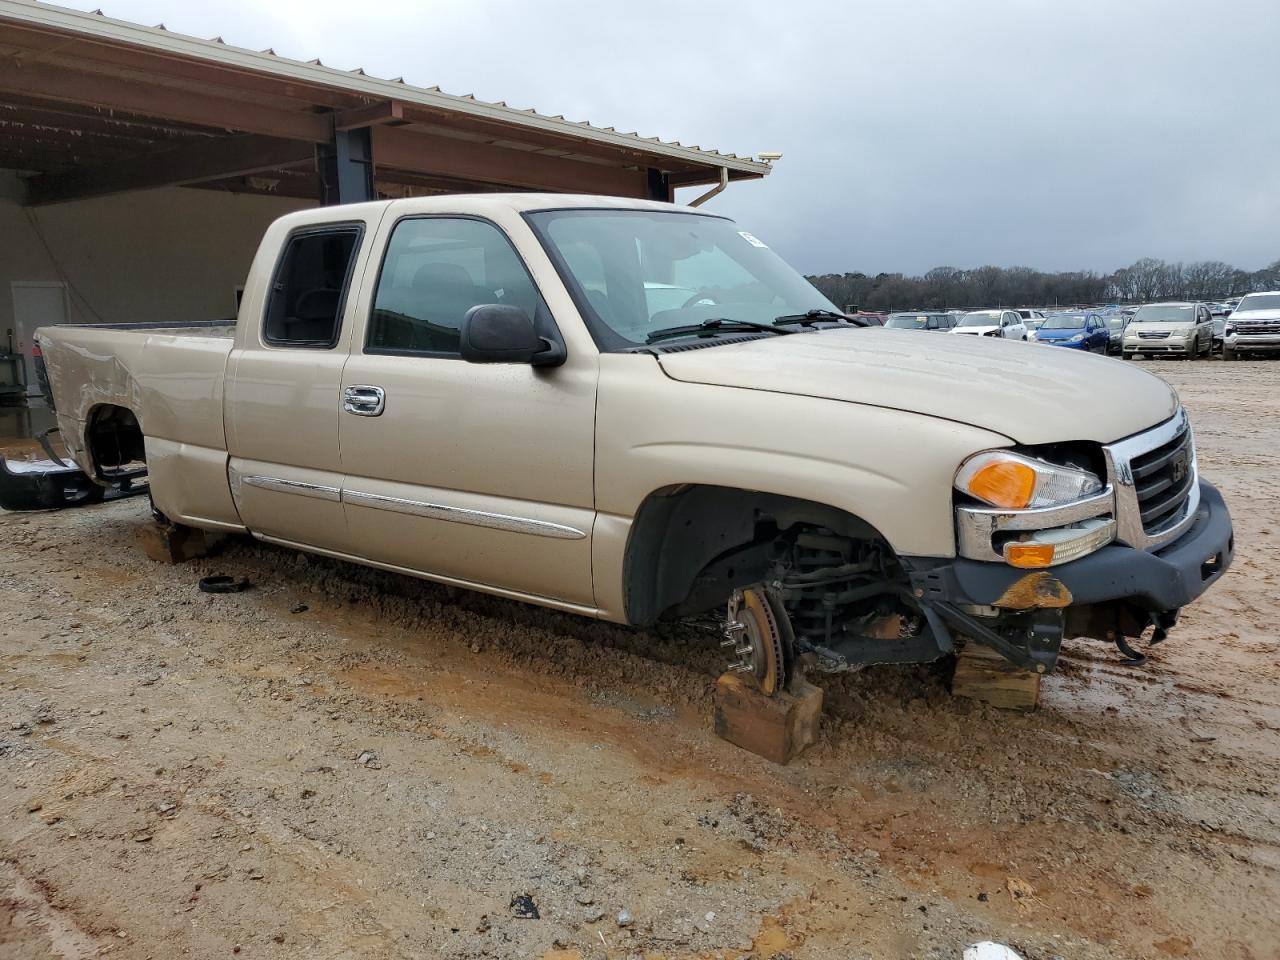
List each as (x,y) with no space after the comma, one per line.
(691,546)
(115,443)
(846,595)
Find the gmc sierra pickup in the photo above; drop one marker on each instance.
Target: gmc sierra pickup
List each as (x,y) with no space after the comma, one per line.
(636,411)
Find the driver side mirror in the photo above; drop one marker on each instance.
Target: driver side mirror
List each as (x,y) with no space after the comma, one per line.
(499,333)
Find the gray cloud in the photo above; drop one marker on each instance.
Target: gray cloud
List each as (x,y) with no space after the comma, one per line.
(1057,135)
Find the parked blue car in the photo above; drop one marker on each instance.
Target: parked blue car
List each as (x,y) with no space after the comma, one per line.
(1076,331)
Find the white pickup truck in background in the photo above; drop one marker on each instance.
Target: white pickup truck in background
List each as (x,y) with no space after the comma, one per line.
(635,411)
(1253,326)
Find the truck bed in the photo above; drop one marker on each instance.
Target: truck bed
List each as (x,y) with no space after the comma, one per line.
(168,376)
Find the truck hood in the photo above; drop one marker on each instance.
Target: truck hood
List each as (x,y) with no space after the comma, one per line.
(1029,395)
(1246,315)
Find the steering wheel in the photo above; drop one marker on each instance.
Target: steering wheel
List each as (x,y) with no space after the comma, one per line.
(700,298)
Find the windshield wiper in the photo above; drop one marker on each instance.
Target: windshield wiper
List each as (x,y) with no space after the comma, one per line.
(712,326)
(810,317)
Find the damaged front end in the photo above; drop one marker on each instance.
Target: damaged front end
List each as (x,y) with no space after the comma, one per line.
(1075,540)
(1103,542)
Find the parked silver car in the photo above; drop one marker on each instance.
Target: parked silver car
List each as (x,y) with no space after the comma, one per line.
(1182,329)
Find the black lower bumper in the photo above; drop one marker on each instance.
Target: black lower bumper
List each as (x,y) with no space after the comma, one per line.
(1158,581)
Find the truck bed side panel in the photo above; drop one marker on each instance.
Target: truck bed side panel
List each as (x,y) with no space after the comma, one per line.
(172,381)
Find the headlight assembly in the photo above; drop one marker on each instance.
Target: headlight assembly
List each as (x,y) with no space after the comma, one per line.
(1077,338)
(1012,481)
(1044,513)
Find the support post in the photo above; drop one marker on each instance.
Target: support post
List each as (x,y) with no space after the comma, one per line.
(171,542)
(777,728)
(346,168)
(982,674)
(658,186)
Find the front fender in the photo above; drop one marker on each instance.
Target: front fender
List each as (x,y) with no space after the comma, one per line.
(892,469)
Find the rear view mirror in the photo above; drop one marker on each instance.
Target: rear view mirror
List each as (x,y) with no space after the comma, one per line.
(499,333)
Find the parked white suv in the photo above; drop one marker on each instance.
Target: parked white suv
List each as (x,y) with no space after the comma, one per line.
(992,323)
(1253,326)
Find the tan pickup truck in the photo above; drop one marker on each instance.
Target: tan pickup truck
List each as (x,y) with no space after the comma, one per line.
(636,411)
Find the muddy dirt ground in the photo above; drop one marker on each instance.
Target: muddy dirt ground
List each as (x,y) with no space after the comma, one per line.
(341,763)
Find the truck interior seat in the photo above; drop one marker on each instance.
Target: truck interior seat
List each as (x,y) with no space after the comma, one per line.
(315,316)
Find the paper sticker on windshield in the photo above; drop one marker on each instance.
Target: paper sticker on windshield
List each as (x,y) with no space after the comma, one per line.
(752,240)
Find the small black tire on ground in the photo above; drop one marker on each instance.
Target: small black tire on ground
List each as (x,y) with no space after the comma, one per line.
(1228,353)
(224,584)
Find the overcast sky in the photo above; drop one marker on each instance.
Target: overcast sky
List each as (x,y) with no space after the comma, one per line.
(915,133)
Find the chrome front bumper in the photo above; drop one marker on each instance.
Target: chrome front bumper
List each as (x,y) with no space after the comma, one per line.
(1166,345)
(1261,342)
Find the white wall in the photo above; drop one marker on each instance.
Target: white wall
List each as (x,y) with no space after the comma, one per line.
(156,255)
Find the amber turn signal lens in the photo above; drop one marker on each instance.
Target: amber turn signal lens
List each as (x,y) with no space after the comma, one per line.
(1029,555)
(1005,483)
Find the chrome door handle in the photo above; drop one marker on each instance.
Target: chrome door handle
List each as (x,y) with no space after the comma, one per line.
(364,400)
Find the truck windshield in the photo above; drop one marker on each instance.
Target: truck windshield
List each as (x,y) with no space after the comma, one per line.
(637,272)
(1260,301)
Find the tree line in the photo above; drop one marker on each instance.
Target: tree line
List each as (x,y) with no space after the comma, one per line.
(948,287)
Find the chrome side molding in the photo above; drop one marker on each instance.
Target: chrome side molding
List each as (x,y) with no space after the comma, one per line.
(314,490)
(475,518)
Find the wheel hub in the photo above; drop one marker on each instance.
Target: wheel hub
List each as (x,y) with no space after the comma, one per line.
(753,629)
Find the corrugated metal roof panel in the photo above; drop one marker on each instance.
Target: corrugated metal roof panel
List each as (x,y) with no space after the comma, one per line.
(98,26)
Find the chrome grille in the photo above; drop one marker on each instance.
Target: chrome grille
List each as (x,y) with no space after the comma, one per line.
(1162,479)
(1156,482)
(1153,334)
(1257,326)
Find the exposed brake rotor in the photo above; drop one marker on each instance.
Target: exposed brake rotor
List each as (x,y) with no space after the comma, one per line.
(754,627)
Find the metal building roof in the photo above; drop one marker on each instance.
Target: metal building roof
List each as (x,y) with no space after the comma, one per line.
(425,109)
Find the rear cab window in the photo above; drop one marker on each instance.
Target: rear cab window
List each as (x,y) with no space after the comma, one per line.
(309,288)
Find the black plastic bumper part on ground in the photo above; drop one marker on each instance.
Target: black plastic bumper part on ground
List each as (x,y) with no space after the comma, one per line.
(1158,581)
(45,489)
